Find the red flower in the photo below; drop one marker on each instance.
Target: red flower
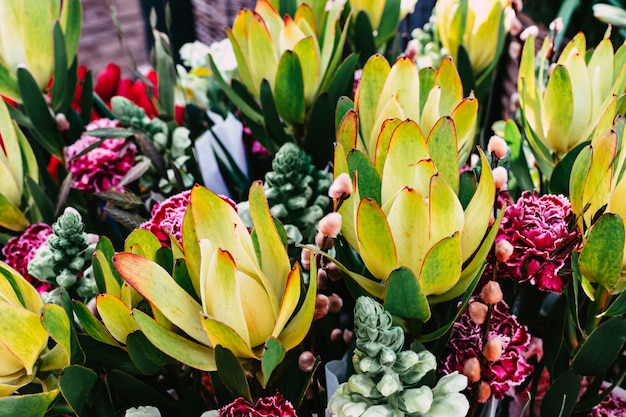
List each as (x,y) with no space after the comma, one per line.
(20,250)
(510,369)
(275,406)
(612,406)
(108,81)
(538,228)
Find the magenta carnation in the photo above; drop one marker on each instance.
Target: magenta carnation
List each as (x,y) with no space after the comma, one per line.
(103,167)
(466,342)
(275,406)
(20,250)
(167,216)
(539,230)
(612,406)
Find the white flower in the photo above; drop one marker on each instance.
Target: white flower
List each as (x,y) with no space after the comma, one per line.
(145,411)
(407,7)
(195,54)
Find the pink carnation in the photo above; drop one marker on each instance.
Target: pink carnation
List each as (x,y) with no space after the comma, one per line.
(20,250)
(466,342)
(167,216)
(540,232)
(101,168)
(612,406)
(275,406)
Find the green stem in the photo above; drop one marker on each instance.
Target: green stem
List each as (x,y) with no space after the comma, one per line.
(598,306)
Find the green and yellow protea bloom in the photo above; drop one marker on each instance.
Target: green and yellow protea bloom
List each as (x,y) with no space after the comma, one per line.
(479,26)
(405,218)
(287,53)
(598,186)
(560,114)
(16,161)
(26,38)
(401,92)
(25,330)
(243,292)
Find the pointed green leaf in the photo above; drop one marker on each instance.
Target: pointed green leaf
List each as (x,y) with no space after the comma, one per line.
(404,297)
(601,348)
(36,404)
(561,397)
(57,324)
(601,258)
(289,92)
(272,357)
(76,384)
(61,63)
(230,372)
(270,113)
(92,326)
(148,359)
(71,22)
(166,73)
(368,180)
(11,217)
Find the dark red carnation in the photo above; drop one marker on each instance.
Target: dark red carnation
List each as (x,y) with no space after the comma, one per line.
(20,250)
(275,406)
(466,342)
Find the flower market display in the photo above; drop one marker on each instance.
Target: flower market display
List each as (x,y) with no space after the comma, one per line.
(324,214)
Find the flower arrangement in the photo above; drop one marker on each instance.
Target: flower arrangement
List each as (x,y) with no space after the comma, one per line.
(386,245)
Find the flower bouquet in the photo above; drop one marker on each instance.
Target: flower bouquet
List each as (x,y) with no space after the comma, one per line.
(321,215)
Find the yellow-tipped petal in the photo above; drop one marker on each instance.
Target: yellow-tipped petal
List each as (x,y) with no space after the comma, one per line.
(600,69)
(273,256)
(299,325)
(442,266)
(290,35)
(307,54)
(221,292)
(159,288)
(382,144)
(442,147)
(477,212)
(559,110)
(391,110)
(448,79)
(116,316)
(29,298)
(446,212)
(262,55)
(599,177)
(402,84)
(12,155)
(581,88)
(406,148)
(373,79)
(290,299)
(222,334)
(465,117)
(21,334)
(376,245)
(178,347)
(407,214)
(272,19)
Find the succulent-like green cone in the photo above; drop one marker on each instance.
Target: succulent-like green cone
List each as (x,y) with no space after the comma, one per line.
(171,143)
(297,192)
(65,262)
(388,380)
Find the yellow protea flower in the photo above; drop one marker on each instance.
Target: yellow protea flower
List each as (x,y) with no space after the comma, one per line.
(405,218)
(567,109)
(245,291)
(25,329)
(26,39)
(473,24)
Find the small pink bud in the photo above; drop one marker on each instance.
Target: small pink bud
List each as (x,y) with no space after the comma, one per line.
(477,312)
(493,349)
(471,369)
(530,30)
(500,177)
(321,306)
(341,187)
(491,293)
(347,336)
(62,123)
(336,335)
(335,303)
(557,25)
(498,146)
(330,224)
(504,250)
(323,242)
(412,49)
(484,392)
(333,272)
(305,258)
(306,361)
(322,279)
